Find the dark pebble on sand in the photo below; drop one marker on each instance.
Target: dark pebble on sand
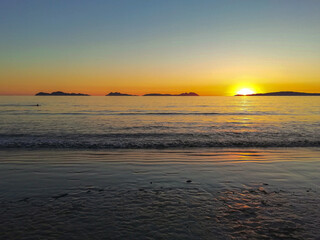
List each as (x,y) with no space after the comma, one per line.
(60,196)
(24,199)
(261,189)
(263,202)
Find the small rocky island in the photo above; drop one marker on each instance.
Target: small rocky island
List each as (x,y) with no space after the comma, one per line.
(59,93)
(165,94)
(119,94)
(282,93)
(188,94)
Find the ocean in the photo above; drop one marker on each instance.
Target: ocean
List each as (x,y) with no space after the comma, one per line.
(159,167)
(138,122)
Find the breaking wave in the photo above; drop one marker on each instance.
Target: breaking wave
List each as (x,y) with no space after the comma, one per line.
(151,141)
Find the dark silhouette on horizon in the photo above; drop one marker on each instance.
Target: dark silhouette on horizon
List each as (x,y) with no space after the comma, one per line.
(166,94)
(282,93)
(59,93)
(119,94)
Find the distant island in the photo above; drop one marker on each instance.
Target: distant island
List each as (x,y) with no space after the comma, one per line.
(161,94)
(282,93)
(59,93)
(119,94)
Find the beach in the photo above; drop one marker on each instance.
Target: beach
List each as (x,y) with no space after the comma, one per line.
(202,193)
(159,120)
(159,167)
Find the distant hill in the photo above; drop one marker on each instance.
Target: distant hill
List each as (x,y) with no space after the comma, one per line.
(166,94)
(188,94)
(157,94)
(119,94)
(282,93)
(59,93)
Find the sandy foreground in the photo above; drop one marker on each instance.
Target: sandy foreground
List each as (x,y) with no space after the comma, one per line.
(160,194)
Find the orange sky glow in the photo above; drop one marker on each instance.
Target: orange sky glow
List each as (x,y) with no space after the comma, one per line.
(212,48)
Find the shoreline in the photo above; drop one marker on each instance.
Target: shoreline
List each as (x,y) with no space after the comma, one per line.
(173,149)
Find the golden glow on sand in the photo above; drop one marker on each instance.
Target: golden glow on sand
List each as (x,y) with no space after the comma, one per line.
(245,91)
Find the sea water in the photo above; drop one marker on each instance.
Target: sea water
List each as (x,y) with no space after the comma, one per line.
(158,122)
(159,167)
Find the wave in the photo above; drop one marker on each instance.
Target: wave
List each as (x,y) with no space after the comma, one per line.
(150,141)
(19,105)
(112,113)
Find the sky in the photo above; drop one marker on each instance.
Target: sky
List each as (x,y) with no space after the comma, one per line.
(212,47)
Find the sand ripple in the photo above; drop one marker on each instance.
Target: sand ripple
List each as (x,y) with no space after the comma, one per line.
(257,212)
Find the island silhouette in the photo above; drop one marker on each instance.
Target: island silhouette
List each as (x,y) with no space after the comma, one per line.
(165,94)
(59,93)
(119,94)
(282,93)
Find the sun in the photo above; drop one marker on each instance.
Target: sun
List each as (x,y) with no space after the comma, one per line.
(245,91)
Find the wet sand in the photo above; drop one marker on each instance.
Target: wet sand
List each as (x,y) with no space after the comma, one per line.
(160,194)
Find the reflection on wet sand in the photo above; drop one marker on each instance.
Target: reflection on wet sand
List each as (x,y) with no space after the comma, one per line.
(165,212)
(170,194)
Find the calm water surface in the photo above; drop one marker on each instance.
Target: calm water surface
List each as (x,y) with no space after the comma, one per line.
(159,122)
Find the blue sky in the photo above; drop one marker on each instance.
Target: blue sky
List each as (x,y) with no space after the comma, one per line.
(191,41)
